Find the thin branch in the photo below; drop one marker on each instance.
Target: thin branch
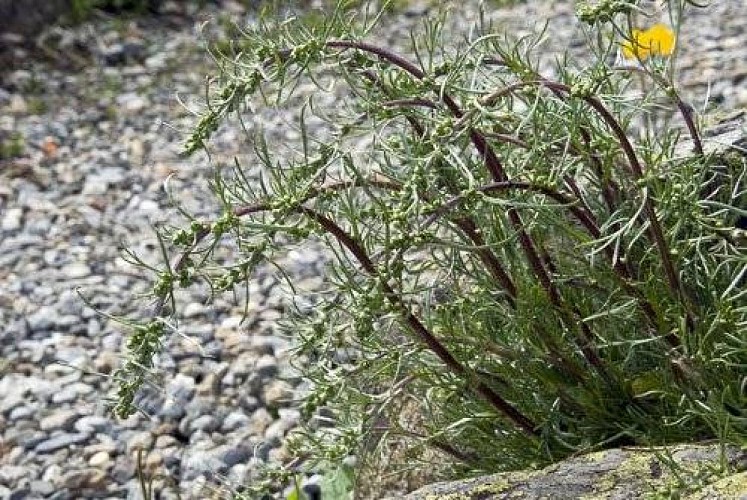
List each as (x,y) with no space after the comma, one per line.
(637,171)
(496,170)
(503,406)
(466,224)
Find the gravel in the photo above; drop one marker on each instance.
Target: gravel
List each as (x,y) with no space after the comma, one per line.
(99,142)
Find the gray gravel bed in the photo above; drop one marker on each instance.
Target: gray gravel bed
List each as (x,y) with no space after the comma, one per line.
(98,143)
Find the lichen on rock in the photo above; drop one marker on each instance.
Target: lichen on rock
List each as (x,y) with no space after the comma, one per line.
(688,471)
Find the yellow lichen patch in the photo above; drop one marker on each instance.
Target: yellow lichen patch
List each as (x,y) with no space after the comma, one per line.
(494,487)
(635,467)
(734,486)
(490,489)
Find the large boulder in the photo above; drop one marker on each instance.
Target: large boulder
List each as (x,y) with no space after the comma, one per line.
(691,472)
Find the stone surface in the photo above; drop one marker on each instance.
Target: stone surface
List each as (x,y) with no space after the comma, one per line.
(618,474)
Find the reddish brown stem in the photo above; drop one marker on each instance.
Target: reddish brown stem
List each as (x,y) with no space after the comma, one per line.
(498,174)
(503,406)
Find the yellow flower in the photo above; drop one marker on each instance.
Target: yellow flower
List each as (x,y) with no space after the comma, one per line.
(633,48)
(658,40)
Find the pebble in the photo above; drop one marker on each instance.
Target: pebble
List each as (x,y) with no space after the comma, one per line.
(77,270)
(77,480)
(92,424)
(205,423)
(166,441)
(12,219)
(43,488)
(29,440)
(22,413)
(267,366)
(60,441)
(193,310)
(60,420)
(277,393)
(10,474)
(100,460)
(43,319)
(18,105)
(131,103)
(140,441)
(233,455)
(71,393)
(234,421)
(258,422)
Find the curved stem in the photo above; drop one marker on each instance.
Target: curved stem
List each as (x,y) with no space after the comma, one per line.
(637,171)
(430,340)
(498,174)
(466,224)
(586,219)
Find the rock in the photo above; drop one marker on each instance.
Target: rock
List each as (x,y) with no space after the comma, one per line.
(150,400)
(140,441)
(106,362)
(209,385)
(276,431)
(42,488)
(248,403)
(18,105)
(181,388)
(77,270)
(100,460)
(258,422)
(205,423)
(239,474)
(153,462)
(198,462)
(193,310)
(312,487)
(614,474)
(43,319)
(71,393)
(172,410)
(19,494)
(233,455)
(131,103)
(30,440)
(99,181)
(12,219)
(77,480)
(233,421)
(93,424)
(267,366)
(60,441)
(277,393)
(60,420)
(166,441)
(130,51)
(22,413)
(11,474)
(279,455)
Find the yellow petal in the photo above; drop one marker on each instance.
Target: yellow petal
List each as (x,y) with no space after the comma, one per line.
(635,48)
(661,39)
